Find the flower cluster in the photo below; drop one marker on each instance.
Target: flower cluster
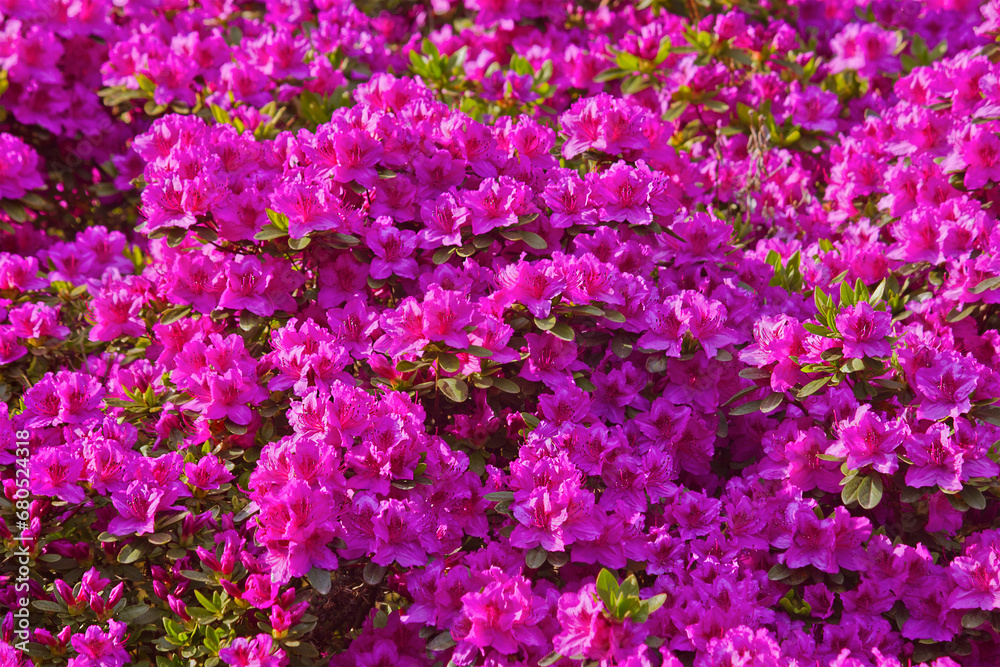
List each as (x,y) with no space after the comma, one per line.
(500,333)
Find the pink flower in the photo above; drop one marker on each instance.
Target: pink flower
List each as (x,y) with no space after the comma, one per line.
(549,360)
(137,507)
(494,204)
(257,652)
(864,330)
(812,542)
(947,386)
(814,109)
(623,192)
(54,473)
(866,440)
(935,460)
(977,582)
(978,154)
(97,648)
(393,248)
(503,616)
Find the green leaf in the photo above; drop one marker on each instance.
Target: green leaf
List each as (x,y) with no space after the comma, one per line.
(534,240)
(779,572)
(505,385)
(563,331)
(853,366)
(973,619)
(817,329)
(870,491)
(195,575)
(129,614)
(621,345)
(655,602)
(442,642)
(220,115)
(477,351)
(755,373)
(441,255)
(48,606)
(373,574)
(850,491)
(550,659)
(319,579)
(499,496)
(986,284)
(299,244)
(772,402)
(956,316)
(634,84)
(607,588)
(973,497)
(454,389)
(630,585)
(145,83)
(203,616)
(990,415)
(716,105)
(130,553)
(675,110)
(813,387)
(746,409)
(546,323)
(269,232)
(14,209)
(279,220)
(611,74)
(174,314)
(613,315)
(535,558)
(846,295)
(449,362)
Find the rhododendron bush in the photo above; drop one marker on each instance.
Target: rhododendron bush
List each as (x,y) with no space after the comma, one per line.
(502,333)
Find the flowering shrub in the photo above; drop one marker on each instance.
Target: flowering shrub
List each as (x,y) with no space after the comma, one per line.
(500,333)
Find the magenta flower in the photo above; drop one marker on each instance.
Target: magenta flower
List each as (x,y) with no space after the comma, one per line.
(867,440)
(550,360)
(393,248)
(227,396)
(812,542)
(309,208)
(19,166)
(493,205)
(947,386)
(977,582)
(446,314)
(533,286)
(979,155)
(398,532)
(814,109)
(137,506)
(257,652)
(623,192)
(10,349)
(53,473)
(666,325)
(503,616)
(99,648)
(936,461)
(246,283)
(207,474)
(864,330)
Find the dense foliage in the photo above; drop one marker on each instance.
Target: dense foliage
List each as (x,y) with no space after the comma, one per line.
(504,332)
